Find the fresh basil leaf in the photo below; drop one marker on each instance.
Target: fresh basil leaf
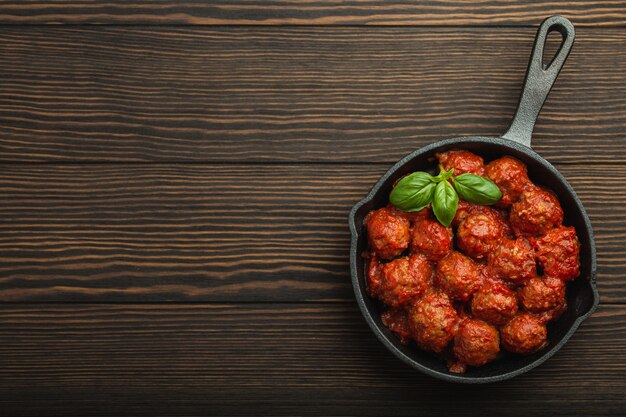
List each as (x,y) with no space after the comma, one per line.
(445,203)
(413,192)
(477,189)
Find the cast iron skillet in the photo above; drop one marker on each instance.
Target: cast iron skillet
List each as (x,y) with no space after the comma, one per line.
(582,295)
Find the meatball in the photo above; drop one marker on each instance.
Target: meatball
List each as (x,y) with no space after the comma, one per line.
(433,321)
(388,232)
(511,176)
(494,303)
(404,279)
(558,252)
(431,238)
(374,275)
(513,260)
(463,162)
(466,208)
(524,334)
(476,342)
(536,212)
(458,276)
(478,234)
(539,295)
(397,321)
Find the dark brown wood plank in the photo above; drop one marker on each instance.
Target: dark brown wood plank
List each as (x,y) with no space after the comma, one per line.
(321,12)
(271,360)
(215,233)
(294,94)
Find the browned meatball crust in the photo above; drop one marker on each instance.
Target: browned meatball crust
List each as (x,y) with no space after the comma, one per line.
(558,253)
(476,342)
(405,279)
(433,321)
(431,238)
(388,232)
(478,235)
(511,176)
(524,334)
(458,276)
(513,260)
(539,294)
(536,212)
(494,303)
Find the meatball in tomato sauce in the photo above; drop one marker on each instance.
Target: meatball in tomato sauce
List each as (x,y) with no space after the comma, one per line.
(491,281)
(479,234)
(494,303)
(476,342)
(388,232)
(540,295)
(463,162)
(536,212)
(558,252)
(431,238)
(405,279)
(500,216)
(524,334)
(458,276)
(513,260)
(511,177)
(433,321)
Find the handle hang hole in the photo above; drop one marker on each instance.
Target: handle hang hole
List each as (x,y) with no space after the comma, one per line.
(554,43)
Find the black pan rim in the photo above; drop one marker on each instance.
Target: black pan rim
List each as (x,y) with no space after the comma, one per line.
(355,235)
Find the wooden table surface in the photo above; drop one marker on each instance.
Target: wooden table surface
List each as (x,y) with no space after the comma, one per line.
(175,179)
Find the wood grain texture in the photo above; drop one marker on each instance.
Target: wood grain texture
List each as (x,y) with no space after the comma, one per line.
(210,169)
(308,12)
(294,94)
(273,359)
(149,232)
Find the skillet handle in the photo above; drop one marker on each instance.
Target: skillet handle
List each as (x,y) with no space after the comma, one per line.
(540,78)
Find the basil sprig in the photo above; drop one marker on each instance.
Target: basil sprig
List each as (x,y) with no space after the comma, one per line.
(420,189)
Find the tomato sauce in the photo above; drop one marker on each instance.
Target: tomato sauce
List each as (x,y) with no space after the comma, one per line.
(491,281)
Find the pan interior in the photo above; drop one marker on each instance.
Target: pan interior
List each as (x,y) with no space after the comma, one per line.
(581,294)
